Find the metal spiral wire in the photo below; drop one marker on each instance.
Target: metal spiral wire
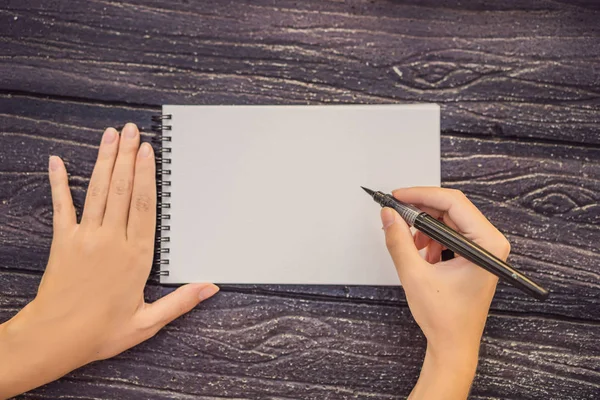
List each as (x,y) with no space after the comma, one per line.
(161,246)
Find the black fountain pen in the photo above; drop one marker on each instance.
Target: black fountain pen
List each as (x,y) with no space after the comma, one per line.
(459,244)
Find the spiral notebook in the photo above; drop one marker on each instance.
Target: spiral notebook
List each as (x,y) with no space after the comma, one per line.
(272,194)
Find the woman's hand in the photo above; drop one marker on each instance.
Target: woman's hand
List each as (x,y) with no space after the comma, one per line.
(90,303)
(448,299)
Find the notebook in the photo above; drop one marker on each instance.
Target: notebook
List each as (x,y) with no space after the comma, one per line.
(272,194)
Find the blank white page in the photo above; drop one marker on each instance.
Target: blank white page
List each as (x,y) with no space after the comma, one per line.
(271,194)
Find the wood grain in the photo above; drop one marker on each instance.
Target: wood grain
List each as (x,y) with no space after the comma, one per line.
(518,70)
(519,86)
(249,346)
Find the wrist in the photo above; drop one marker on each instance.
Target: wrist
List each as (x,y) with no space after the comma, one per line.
(460,361)
(447,373)
(463,356)
(34,350)
(58,331)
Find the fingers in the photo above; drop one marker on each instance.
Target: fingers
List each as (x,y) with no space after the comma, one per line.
(458,213)
(421,240)
(119,192)
(399,242)
(177,303)
(142,212)
(432,211)
(62,202)
(95,201)
(434,252)
(453,202)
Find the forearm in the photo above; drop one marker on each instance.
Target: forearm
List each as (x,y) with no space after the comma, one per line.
(446,375)
(32,352)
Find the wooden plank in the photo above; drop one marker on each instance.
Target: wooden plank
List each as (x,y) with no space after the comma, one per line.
(534,192)
(518,84)
(253,346)
(523,69)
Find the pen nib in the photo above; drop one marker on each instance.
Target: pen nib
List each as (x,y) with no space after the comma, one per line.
(369,191)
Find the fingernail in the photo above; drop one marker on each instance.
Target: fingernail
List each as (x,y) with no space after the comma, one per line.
(208,291)
(109,136)
(145,150)
(388,217)
(130,130)
(54,163)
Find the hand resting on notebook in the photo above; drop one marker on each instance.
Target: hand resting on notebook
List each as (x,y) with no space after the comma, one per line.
(90,303)
(448,299)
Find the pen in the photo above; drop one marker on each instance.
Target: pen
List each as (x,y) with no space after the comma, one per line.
(459,244)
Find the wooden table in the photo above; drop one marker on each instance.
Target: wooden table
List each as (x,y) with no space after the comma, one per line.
(519,85)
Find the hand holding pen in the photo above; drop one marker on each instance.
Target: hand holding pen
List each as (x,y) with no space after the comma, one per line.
(459,244)
(448,299)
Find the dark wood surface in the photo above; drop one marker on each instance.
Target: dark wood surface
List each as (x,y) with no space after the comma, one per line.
(519,85)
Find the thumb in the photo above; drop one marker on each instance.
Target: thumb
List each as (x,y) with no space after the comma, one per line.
(177,303)
(399,241)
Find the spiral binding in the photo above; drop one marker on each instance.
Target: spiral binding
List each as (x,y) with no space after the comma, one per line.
(162,245)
